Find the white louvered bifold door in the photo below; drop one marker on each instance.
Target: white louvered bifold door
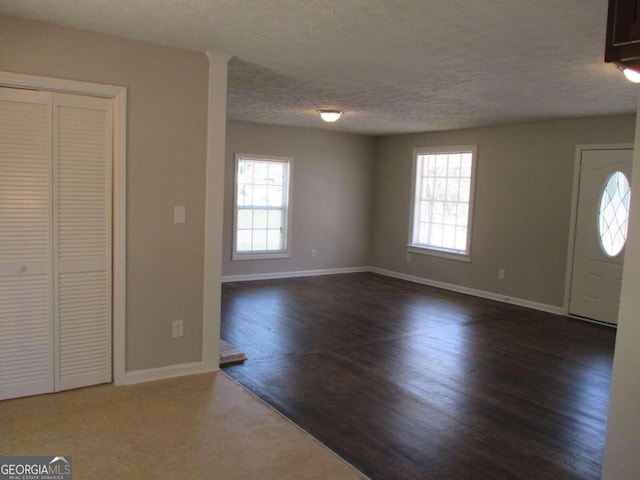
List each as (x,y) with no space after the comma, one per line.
(82,240)
(26,314)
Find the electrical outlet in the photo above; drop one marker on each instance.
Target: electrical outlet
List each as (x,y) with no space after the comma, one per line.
(408,257)
(314,253)
(501,274)
(177,328)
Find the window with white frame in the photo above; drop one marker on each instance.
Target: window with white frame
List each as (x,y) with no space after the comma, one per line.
(442,203)
(261,218)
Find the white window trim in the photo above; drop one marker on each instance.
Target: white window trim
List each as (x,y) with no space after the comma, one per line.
(435,251)
(286,253)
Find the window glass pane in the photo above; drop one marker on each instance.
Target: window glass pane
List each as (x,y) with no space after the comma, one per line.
(463,214)
(274,219)
(274,196)
(259,219)
(244,240)
(430,165)
(448,236)
(438,212)
(441,165)
(454,165)
(465,189)
(259,240)
(425,211)
(276,173)
(260,173)
(465,165)
(453,190)
(436,235)
(242,168)
(450,213)
(244,218)
(427,189)
(244,195)
(423,237)
(260,196)
(273,240)
(461,239)
(440,189)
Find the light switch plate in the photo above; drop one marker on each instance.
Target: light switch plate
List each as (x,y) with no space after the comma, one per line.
(177,328)
(180,215)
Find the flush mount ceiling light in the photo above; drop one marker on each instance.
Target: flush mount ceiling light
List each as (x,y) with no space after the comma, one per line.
(330,115)
(632,75)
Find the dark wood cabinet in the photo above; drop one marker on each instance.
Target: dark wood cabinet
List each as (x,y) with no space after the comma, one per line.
(623,33)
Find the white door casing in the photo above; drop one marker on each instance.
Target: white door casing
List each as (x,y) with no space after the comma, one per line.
(596,277)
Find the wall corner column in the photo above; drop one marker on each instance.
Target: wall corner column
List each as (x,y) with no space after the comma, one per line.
(216,138)
(621,457)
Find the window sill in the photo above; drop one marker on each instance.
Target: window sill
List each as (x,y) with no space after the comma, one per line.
(434,252)
(259,256)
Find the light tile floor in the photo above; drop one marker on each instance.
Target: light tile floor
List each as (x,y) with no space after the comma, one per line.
(197,427)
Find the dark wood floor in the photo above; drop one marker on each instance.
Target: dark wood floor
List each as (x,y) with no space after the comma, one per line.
(411,382)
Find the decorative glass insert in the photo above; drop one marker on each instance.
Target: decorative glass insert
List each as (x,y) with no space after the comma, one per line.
(613,215)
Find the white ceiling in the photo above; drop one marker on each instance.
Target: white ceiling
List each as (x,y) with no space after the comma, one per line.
(393,66)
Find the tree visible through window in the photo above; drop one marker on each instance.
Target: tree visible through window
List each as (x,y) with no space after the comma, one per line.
(443,199)
(261,206)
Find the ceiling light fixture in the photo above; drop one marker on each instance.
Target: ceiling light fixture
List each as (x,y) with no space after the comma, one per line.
(330,115)
(632,75)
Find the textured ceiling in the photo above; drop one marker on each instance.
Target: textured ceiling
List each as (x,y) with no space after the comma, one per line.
(393,66)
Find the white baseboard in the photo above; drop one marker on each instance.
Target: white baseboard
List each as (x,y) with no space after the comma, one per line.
(161,373)
(410,278)
(472,291)
(299,273)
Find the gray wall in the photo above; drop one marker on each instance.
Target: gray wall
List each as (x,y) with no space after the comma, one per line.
(166,164)
(522,204)
(330,197)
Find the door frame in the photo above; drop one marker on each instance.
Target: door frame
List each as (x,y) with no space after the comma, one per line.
(574,217)
(119,96)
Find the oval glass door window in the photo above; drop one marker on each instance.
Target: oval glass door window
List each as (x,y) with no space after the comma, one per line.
(613,216)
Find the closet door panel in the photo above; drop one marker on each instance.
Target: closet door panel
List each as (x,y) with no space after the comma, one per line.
(82,226)
(26,288)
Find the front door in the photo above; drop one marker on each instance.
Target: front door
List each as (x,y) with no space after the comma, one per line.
(601,232)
